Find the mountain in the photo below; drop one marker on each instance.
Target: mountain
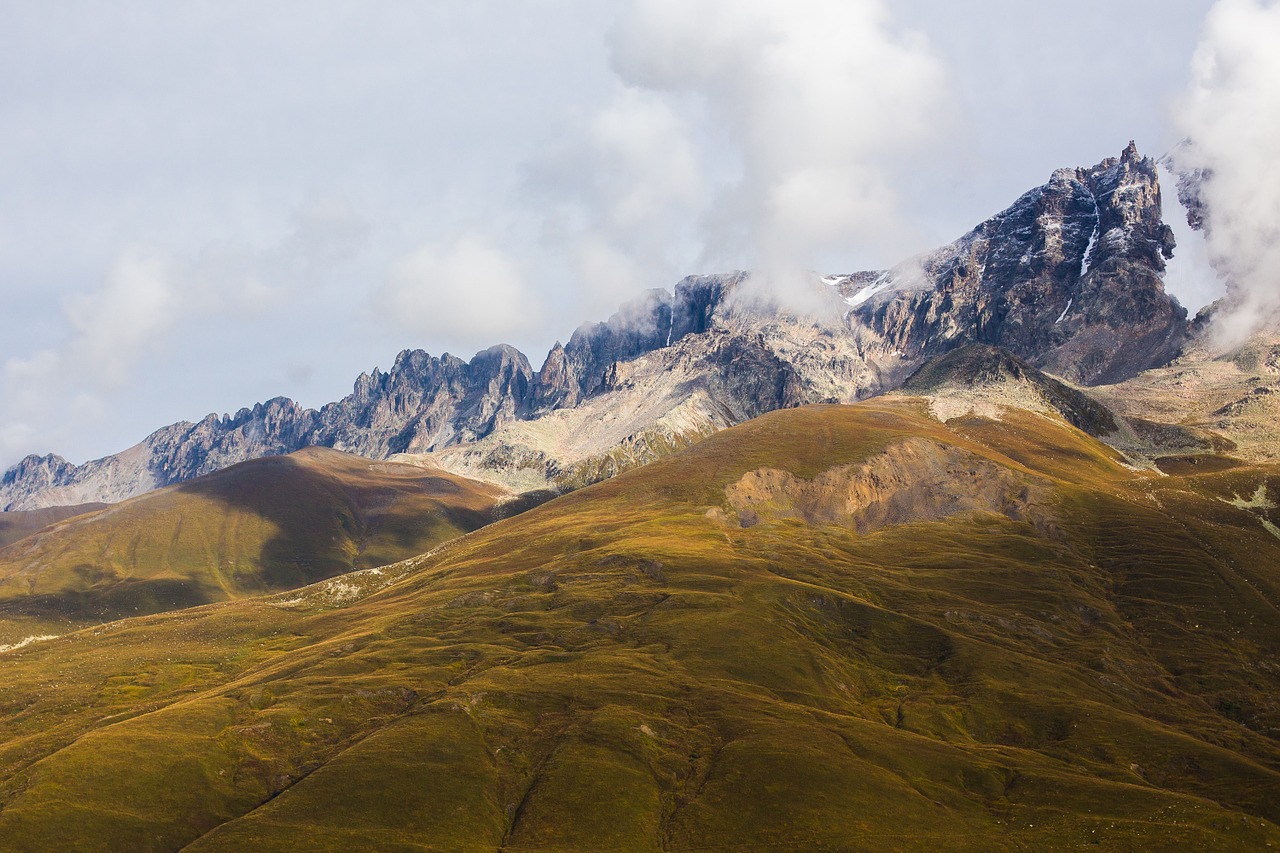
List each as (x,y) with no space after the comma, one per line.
(259,526)
(1207,407)
(828,628)
(1068,279)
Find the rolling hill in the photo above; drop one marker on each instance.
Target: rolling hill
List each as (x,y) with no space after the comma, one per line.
(268,524)
(829,628)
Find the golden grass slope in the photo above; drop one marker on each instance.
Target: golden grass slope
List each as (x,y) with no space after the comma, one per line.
(628,667)
(264,525)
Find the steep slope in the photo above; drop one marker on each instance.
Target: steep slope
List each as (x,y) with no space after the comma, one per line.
(785,637)
(269,524)
(980,379)
(1068,278)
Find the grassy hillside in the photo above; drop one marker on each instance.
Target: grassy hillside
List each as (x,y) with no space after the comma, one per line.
(264,525)
(21,524)
(750,645)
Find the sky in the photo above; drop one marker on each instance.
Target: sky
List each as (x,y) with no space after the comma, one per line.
(208,204)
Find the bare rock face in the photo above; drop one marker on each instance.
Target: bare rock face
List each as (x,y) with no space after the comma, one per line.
(1067,279)
(915,480)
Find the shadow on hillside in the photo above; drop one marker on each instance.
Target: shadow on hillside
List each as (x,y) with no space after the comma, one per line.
(328,523)
(119,600)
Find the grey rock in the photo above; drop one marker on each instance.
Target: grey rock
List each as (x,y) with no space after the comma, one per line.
(1068,278)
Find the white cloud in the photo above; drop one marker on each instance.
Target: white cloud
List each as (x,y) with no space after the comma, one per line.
(803,113)
(1189,276)
(148,297)
(644,155)
(1231,114)
(114,325)
(467,293)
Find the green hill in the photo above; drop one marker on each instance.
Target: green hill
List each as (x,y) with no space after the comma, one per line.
(831,628)
(268,524)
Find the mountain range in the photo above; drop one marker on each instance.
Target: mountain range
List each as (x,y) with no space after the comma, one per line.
(1069,278)
(977,553)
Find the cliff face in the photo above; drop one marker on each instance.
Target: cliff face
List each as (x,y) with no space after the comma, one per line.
(1068,278)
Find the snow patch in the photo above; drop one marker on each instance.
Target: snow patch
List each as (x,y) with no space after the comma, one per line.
(1093,241)
(1063,315)
(880,285)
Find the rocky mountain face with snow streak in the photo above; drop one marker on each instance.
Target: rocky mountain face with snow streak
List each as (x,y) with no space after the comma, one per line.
(1068,278)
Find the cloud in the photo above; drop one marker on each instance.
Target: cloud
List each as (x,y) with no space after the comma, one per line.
(1189,276)
(150,295)
(620,195)
(1230,112)
(466,293)
(113,326)
(815,106)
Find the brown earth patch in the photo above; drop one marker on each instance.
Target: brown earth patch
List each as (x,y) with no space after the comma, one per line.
(915,480)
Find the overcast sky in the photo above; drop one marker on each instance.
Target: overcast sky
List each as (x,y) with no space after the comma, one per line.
(207,204)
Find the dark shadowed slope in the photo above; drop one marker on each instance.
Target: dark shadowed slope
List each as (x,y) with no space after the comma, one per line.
(269,524)
(830,628)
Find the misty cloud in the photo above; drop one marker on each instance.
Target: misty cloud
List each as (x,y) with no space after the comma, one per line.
(821,104)
(1189,276)
(463,294)
(149,296)
(1231,115)
(621,194)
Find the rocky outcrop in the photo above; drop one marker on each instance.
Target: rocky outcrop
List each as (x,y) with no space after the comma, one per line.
(38,472)
(655,320)
(916,480)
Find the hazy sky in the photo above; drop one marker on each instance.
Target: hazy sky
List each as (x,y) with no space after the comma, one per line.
(207,204)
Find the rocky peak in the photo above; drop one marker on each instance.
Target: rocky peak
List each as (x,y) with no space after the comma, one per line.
(1069,277)
(38,472)
(578,370)
(697,298)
